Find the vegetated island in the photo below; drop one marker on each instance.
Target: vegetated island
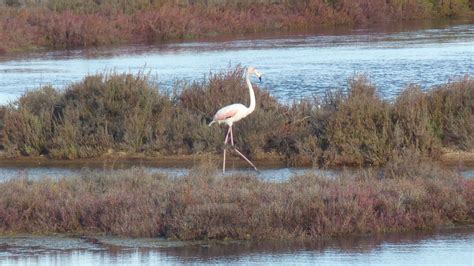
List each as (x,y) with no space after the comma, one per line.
(107,114)
(66,24)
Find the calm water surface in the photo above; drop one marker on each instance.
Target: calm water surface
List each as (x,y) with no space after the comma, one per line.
(270,174)
(295,66)
(446,247)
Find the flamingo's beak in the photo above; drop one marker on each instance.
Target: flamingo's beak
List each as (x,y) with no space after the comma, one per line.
(260,79)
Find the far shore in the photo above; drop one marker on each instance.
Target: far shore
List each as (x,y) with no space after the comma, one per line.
(63,26)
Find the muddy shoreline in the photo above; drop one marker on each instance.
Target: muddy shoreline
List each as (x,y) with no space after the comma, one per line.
(181,161)
(389,248)
(268,161)
(70,242)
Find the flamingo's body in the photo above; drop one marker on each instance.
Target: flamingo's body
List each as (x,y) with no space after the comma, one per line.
(231,113)
(235,112)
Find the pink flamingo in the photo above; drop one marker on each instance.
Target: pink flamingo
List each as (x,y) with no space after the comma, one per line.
(234,112)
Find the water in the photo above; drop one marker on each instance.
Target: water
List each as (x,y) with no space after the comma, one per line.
(270,174)
(468,173)
(445,247)
(295,65)
(280,174)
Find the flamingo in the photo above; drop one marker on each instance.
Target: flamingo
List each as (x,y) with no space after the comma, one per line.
(235,112)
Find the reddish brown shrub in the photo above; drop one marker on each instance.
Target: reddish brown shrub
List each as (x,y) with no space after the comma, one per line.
(71,23)
(205,206)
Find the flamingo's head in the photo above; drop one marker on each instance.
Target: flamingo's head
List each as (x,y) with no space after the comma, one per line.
(252,70)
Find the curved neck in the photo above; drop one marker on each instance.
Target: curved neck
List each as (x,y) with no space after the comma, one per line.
(251,92)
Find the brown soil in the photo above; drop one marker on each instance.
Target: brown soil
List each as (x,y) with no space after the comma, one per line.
(465,158)
(121,159)
(2,114)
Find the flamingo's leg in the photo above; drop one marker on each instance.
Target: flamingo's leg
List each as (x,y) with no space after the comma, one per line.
(238,152)
(245,158)
(231,136)
(225,143)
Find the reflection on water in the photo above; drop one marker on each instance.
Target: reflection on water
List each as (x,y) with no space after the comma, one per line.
(295,66)
(446,247)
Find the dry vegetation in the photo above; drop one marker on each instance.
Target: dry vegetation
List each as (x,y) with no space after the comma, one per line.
(64,24)
(408,195)
(124,112)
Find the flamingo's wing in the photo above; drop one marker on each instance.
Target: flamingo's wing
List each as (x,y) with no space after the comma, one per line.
(228,111)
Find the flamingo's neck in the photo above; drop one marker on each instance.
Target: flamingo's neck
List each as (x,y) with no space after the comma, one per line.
(251,92)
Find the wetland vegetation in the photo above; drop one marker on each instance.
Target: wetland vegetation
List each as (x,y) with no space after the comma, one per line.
(66,24)
(406,195)
(128,113)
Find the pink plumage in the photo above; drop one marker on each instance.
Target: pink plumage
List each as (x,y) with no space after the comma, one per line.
(224,114)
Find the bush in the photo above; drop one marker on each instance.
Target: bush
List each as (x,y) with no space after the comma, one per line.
(88,118)
(452,110)
(28,124)
(412,123)
(359,130)
(358,127)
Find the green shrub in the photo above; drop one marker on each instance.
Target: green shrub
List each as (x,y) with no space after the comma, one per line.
(452,110)
(412,123)
(359,131)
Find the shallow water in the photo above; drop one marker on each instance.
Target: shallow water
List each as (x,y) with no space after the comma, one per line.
(445,247)
(270,174)
(295,65)
(267,174)
(468,173)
